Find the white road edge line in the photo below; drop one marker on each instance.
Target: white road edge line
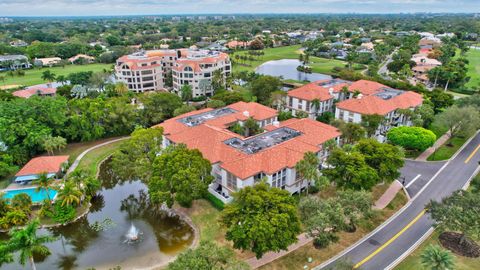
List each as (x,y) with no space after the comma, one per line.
(428,233)
(388,221)
(413,180)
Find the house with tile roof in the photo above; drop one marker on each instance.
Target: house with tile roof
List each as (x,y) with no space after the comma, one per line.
(53,166)
(349,100)
(239,161)
(36,91)
(149,70)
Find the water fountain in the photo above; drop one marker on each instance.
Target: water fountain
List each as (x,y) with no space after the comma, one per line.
(133,234)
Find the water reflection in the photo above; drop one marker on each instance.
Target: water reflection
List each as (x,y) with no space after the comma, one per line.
(97,240)
(287,69)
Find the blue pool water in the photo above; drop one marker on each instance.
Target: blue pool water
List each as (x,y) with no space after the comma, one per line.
(37,196)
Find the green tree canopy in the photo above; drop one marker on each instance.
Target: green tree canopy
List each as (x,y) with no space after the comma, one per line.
(261,219)
(412,138)
(436,258)
(263,86)
(208,256)
(181,175)
(136,155)
(462,121)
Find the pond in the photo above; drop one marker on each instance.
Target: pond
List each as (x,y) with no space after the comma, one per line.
(99,239)
(287,68)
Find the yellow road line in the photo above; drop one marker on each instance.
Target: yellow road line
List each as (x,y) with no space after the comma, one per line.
(472,154)
(390,241)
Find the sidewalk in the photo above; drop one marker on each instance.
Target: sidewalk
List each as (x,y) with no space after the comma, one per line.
(388,196)
(442,140)
(268,257)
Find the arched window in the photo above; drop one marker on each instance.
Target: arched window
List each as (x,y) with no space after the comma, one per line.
(187,68)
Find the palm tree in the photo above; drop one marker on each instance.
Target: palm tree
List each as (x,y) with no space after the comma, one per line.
(46,183)
(436,258)
(48,76)
(61,79)
(316,105)
(69,194)
(27,242)
(308,168)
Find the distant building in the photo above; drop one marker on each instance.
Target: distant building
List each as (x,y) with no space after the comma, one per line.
(53,166)
(13,62)
(47,62)
(86,58)
(18,43)
(238,161)
(352,100)
(36,91)
(148,70)
(234,44)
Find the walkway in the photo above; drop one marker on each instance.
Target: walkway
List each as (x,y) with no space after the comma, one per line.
(77,160)
(388,196)
(442,140)
(255,263)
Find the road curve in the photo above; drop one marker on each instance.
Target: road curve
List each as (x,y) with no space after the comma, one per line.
(388,244)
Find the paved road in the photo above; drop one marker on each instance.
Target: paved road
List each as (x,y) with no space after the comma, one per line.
(390,242)
(383,70)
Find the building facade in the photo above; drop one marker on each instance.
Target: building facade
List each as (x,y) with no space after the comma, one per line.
(349,101)
(239,161)
(152,70)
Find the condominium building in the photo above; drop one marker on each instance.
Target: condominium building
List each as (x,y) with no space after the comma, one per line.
(239,161)
(150,70)
(349,101)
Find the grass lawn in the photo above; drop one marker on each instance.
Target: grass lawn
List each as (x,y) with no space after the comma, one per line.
(75,149)
(320,65)
(473,57)
(447,150)
(414,262)
(91,160)
(298,258)
(34,76)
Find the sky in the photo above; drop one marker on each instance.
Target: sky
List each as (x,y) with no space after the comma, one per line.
(159,7)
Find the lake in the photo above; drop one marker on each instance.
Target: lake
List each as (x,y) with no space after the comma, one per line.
(287,69)
(99,239)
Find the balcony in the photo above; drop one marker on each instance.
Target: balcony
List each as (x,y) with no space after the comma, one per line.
(219,192)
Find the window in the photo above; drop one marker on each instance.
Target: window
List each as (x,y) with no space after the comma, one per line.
(290,103)
(231,181)
(279,179)
(187,69)
(258,177)
(308,107)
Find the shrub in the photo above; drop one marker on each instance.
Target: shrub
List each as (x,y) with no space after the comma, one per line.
(214,201)
(412,138)
(324,239)
(62,214)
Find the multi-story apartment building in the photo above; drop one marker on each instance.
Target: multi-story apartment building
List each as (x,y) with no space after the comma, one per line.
(237,161)
(350,100)
(150,70)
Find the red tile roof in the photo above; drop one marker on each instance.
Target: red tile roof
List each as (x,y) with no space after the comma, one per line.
(209,138)
(47,164)
(26,93)
(376,105)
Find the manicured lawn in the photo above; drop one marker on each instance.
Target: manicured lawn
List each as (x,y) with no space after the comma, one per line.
(298,258)
(414,262)
(91,160)
(75,149)
(34,76)
(447,150)
(473,57)
(320,65)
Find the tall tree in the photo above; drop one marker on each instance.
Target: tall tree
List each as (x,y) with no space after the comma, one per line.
(350,170)
(308,170)
(28,243)
(186,92)
(371,123)
(459,121)
(136,155)
(48,76)
(460,213)
(45,183)
(50,144)
(261,219)
(69,194)
(263,86)
(386,159)
(181,175)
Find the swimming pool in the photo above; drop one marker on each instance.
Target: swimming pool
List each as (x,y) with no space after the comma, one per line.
(37,196)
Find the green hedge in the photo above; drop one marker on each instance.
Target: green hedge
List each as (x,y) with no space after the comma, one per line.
(217,203)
